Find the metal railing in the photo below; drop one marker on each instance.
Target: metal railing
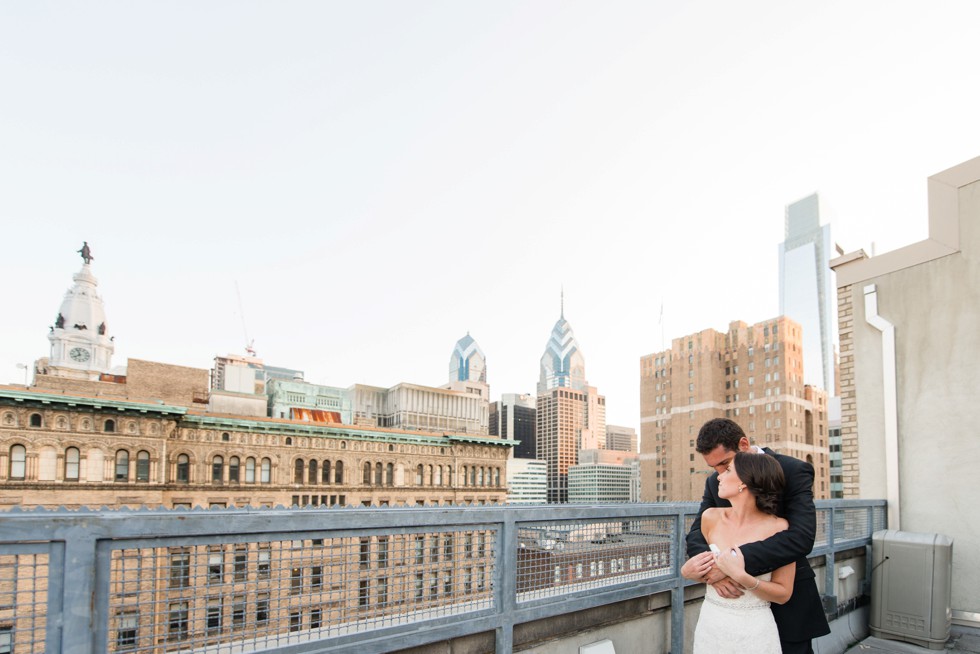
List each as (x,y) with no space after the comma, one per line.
(346,579)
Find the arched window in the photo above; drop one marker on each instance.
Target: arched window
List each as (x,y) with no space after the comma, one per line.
(325,472)
(217,469)
(479,477)
(465,478)
(338,473)
(449,475)
(496,477)
(298,471)
(379,474)
(418,475)
(142,466)
(18,462)
(313,475)
(266,472)
(390,475)
(109,425)
(122,465)
(71,464)
(438,480)
(233,469)
(250,470)
(183,469)
(430,475)
(36,420)
(472,475)
(367,473)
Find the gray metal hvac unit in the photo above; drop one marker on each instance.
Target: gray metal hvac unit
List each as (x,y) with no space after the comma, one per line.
(911,582)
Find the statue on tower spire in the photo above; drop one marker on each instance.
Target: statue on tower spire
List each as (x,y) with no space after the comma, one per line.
(86,252)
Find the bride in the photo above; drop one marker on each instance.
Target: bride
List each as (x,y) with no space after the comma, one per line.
(753,484)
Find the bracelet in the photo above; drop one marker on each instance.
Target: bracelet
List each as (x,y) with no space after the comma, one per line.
(757,582)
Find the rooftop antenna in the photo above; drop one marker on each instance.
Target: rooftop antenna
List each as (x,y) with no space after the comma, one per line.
(248,341)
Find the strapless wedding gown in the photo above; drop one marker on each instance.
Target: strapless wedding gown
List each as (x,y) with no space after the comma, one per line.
(736,626)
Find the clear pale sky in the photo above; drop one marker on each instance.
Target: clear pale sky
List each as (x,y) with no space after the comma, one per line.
(379,178)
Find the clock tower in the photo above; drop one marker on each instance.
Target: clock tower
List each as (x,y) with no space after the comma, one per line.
(81,347)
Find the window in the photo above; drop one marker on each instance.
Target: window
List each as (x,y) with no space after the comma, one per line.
(419,585)
(316,618)
(142,466)
(363,593)
(298,471)
(177,627)
(180,568)
(216,566)
(71,464)
(217,469)
(122,465)
(296,581)
(127,631)
(325,472)
(314,473)
(233,469)
(316,577)
(238,611)
(382,551)
(365,552)
(382,591)
(241,562)
(338,475)
(262,608)
(183,469)
(390,474)
(266,471)
(420,549)
(295,621)
(109,426)
(36,420)
(265,561)
(213,618)
(366,478)
(249,470)
(378,474)
(418,475)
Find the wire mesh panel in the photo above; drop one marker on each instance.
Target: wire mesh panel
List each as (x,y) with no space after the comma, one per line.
(852,524)
(24,575)
(879,518)
(566,557)
(823,518)
(240,596)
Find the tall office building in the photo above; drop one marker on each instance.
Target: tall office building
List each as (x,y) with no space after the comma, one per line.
(806,291)
(513,417)
(527,481)
(571,415)
(621,438)
(753,374)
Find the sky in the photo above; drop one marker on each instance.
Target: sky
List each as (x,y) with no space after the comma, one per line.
(354,186)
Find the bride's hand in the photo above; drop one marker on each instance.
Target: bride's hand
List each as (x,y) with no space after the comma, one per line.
(732,563)
(698,566)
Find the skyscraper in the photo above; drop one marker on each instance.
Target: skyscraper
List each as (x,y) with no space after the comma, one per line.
(806,293)
(753,374)
(571,415)
(513,417)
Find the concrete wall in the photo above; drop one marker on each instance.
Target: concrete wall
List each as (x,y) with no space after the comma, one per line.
(930,292)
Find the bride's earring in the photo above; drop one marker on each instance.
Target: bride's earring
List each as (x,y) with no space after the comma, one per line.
(741,488)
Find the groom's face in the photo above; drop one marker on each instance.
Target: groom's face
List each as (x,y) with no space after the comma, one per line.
(719,458)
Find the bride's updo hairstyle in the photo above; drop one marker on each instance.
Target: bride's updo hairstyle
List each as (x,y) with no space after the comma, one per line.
(763,476)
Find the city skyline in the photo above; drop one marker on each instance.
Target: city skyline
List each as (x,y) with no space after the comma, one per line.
(376,184)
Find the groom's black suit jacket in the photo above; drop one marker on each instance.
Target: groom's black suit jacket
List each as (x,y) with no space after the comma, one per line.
(802,617)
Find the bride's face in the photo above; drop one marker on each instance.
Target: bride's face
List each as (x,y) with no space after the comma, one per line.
(728,482)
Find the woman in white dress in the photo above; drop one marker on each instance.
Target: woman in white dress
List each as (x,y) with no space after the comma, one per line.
(753,484)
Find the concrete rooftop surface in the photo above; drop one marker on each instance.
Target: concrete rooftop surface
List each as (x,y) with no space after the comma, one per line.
(961,639)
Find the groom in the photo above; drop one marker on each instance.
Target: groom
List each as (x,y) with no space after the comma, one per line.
(801,618)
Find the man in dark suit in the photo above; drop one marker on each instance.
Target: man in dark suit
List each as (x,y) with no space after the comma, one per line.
(801,618)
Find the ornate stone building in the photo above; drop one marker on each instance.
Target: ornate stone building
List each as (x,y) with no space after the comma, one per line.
(148,434)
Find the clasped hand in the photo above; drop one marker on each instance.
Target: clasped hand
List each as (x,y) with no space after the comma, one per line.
(717,571)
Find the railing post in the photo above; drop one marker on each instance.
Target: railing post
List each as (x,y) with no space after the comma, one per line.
(829,597)
(677,592)
(506,593)
(80,632)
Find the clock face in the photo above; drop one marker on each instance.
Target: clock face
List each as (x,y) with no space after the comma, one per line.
(79,354)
